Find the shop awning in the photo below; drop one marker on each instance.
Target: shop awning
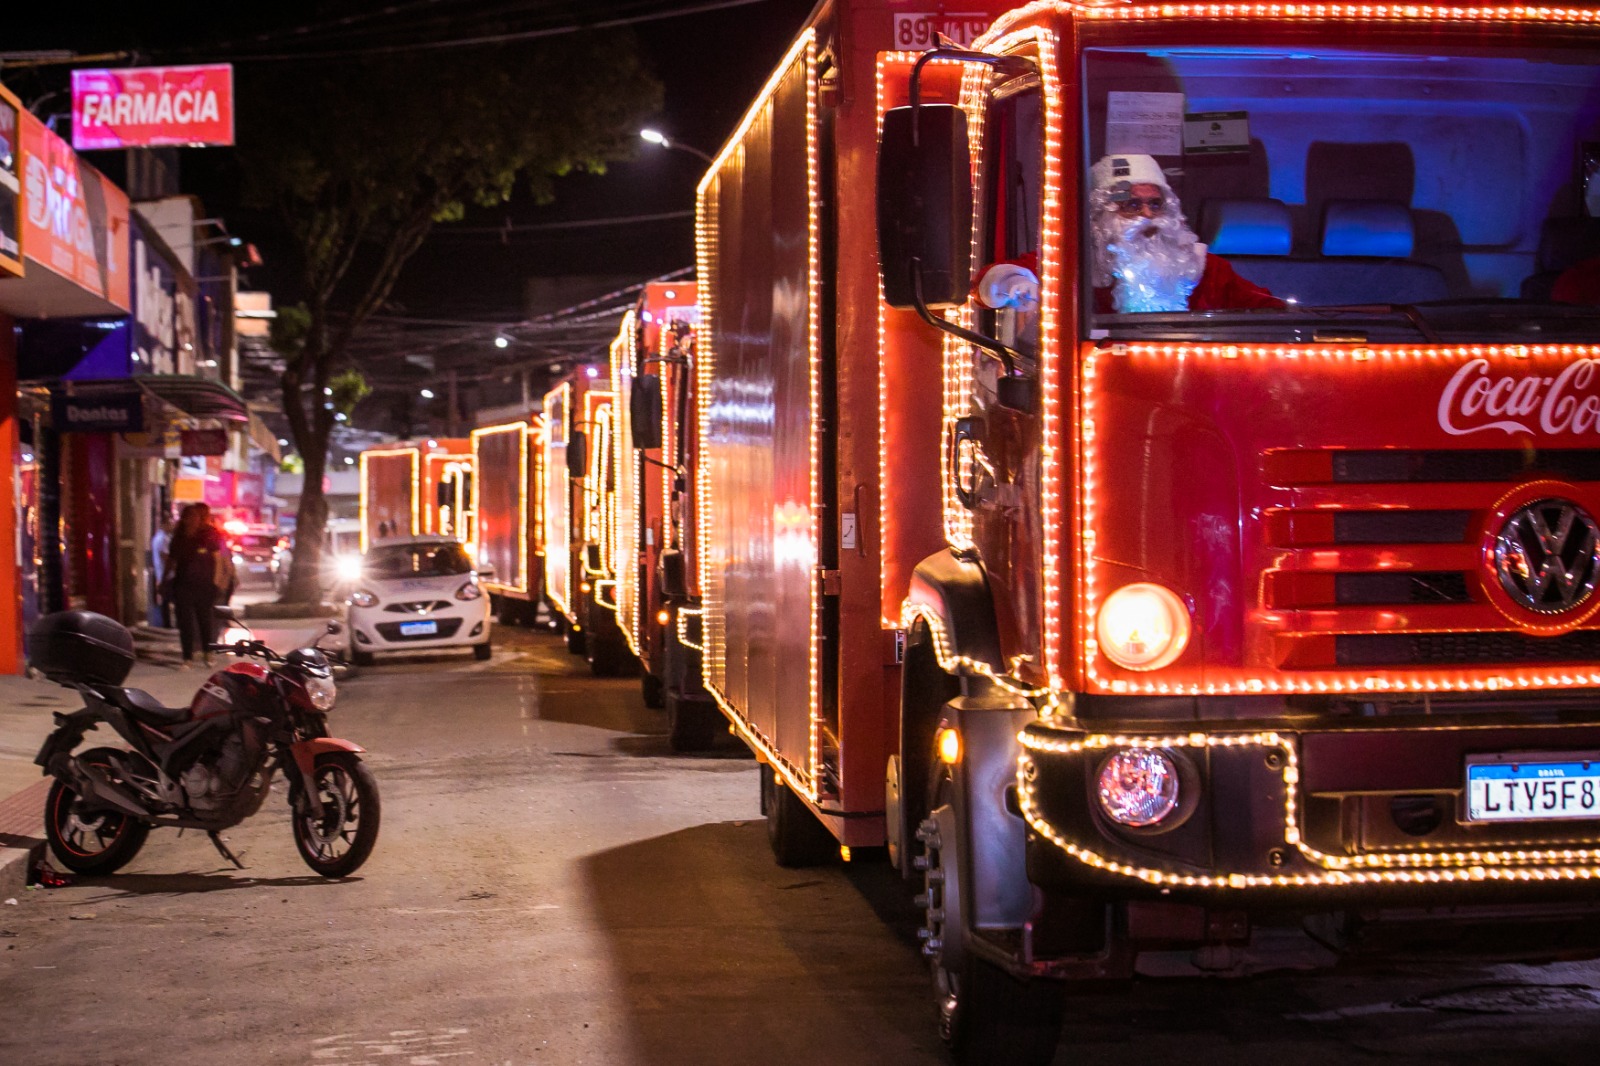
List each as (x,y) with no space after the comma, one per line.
(192,396)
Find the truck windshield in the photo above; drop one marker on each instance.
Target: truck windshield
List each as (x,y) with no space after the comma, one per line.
(416,560)
(1305,194)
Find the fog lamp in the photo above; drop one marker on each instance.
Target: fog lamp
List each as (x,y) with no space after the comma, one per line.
(1138,786)
(1143,626)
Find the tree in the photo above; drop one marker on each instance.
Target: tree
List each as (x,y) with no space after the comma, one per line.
(359,160)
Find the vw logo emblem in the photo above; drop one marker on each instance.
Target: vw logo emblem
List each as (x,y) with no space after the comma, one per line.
(1547,556)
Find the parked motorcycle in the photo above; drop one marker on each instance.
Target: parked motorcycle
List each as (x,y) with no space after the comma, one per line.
(207,766)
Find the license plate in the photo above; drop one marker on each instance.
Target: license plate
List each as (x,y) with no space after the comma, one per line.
(1533,787)
(418,629)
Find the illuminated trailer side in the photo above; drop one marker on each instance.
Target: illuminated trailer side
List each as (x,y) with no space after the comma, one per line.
(575,498)
(507,501)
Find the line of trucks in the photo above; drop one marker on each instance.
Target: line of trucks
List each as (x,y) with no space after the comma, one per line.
(1204,640)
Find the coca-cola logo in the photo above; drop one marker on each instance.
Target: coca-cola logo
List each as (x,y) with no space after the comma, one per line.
(1475,401)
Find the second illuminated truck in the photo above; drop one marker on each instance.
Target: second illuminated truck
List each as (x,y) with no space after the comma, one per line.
(1150,639)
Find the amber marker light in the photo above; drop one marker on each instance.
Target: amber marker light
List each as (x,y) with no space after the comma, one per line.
(949,747)
(1143,626)
(663,617)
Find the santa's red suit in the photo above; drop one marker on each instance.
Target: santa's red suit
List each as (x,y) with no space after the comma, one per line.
(1220,289)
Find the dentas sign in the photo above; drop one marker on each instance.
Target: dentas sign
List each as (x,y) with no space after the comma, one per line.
(1475,402)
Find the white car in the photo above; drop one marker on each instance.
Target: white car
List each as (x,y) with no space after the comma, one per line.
(417,594)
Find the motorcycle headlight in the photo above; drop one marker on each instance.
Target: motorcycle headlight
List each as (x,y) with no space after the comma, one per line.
(322,691)
(362,598)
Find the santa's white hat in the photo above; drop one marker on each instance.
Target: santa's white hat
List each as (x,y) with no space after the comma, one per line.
(1118,173)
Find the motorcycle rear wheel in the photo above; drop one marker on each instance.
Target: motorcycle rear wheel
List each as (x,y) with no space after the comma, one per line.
(98,843)
(336,844)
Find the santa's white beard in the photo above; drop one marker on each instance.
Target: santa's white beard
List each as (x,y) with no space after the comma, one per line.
(1148,271)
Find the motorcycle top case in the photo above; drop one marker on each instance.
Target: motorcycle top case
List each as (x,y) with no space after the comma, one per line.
(80,647)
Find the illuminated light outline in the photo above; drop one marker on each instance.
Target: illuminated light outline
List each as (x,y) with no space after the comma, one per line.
(801,780)
(416,491)
(1494,864)
(523,428)
(685,613)
(1492,679)
(1289,12)
(562,394)
(948,502)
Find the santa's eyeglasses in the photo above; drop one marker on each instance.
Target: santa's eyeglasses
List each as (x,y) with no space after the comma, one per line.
(1135,205)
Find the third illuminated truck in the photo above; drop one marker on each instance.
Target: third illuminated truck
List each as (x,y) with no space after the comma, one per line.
(1149,641)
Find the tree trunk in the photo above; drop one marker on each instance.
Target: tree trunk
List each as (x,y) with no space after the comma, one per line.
(311,522)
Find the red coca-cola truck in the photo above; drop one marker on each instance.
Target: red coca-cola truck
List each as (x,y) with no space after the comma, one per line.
(1153,625)
(657,595)
(509,515)
(418,487)
(578,504)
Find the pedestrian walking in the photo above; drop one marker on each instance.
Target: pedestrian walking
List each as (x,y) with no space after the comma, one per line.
(198,573)
(160,603)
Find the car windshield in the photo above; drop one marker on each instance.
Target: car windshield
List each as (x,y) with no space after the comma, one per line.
(1259,193)
(417,560)
(251,542)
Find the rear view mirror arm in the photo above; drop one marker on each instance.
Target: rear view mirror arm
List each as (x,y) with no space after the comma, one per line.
(1007,356)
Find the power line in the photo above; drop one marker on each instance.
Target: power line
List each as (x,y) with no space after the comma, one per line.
(584,223)
(497,38)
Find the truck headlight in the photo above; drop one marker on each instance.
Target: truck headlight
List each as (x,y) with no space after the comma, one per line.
(1143,626)
(1138,786)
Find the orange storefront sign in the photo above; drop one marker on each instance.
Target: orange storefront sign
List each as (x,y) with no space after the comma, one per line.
(10,186)
(74,221)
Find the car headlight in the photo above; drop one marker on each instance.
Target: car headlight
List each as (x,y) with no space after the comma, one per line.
(348,567)
(469,591)
(1143,626)
(323,692)
(1138,786)
(363,598)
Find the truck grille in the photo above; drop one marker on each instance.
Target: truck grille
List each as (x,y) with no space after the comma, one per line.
(1377,559)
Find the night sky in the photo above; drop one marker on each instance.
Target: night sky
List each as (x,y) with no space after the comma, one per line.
(711,64)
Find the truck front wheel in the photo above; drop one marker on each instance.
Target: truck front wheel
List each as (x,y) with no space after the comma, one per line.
(984,1014)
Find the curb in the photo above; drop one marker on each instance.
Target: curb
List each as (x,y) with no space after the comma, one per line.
(22,841)
(265,611)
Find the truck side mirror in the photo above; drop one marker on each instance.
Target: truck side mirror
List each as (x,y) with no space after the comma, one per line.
(644,411)
(925,206)
(578,454)
(673,574)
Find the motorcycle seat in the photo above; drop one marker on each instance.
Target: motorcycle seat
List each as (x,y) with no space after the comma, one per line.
(146,708)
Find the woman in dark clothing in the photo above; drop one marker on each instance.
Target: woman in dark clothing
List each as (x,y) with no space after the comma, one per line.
(195,562)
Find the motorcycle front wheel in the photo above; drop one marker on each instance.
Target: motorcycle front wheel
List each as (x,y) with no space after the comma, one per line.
(336,844)
(98,842)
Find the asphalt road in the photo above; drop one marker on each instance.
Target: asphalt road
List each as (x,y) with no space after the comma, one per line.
(553,886)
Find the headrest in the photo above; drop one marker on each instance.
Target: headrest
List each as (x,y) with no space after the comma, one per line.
(1247,227)
(1564,242)
(1378,229)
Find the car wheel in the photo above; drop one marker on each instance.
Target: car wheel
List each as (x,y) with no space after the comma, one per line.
(362,658)
(481,652)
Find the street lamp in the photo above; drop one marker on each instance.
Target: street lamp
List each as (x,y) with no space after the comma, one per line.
(658,138)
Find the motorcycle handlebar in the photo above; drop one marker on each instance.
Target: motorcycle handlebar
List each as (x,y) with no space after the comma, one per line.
(249,647)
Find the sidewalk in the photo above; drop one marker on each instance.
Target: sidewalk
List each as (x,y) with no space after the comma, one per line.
(26,709)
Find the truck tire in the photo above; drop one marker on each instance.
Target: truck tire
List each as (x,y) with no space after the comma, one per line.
(577,639)
(925,687)
(692,725)
(652,691)
(797,838)
(984,1014)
